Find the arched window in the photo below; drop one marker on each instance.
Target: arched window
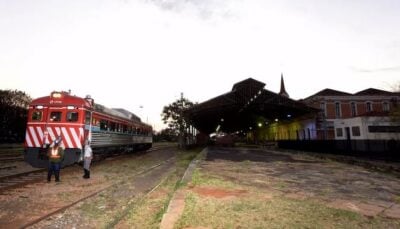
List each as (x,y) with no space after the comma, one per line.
(353,109)
(337,110)
(385,106)
(368,106)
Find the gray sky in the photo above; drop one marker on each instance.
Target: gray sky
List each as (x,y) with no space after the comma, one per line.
(132,53)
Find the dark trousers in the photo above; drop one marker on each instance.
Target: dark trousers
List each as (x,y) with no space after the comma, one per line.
(54,167)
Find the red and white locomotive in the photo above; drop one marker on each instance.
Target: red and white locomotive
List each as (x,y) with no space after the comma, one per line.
(77,119)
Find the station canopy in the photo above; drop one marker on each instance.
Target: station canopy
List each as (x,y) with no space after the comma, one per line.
(247,106)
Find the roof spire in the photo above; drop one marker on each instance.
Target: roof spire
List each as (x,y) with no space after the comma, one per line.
(283,90)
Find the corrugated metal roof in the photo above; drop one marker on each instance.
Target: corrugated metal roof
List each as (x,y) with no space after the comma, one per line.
(241,107)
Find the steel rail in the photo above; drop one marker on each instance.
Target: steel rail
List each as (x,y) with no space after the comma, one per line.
(62,209)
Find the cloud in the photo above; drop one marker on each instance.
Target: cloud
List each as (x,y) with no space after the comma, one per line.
(374,70)
(206,9)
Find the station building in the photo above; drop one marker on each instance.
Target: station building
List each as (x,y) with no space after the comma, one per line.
(355,122)
(259,114)
(362,115)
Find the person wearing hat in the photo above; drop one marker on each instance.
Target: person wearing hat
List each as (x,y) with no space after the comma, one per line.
(56,156)
(87,159)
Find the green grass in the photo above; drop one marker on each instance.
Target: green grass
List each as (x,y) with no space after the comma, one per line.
(66,196)
(185,157)
(95,208)
(148,212)
(397,199)
(200,179)
(279,212)
(254,210)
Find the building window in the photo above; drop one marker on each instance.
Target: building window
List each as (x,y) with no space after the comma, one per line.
(385,106)
(353,109)
(337,110)
(322,107)
(384,129)
(369,106)
(339,132)
(355,130)
(394,102)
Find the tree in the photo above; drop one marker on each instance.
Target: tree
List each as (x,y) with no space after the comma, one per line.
(395,112)
(172,115)
(166,134)
(13,109)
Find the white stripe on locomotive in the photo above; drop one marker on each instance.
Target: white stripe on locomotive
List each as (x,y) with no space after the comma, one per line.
(51,134)
(81,134)
(40,133)
(28,139)
(66,137)
(75,137)
(58,131)
(33,134)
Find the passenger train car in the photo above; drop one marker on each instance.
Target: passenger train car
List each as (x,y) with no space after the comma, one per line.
(76,120)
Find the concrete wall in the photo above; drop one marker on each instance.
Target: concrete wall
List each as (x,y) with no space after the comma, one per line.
(363,123)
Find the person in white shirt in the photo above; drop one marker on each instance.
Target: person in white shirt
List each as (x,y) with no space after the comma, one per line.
(87,159)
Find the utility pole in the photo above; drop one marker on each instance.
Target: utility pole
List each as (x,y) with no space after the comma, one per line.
(182,128)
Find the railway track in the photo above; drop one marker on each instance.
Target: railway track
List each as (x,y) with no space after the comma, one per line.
(65,207)
(11,155)
(20,179)
(28,206)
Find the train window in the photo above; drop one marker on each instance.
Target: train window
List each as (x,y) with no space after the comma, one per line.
(87,118)
(112,126)
(37,116)
(103,125)
(55,116)
(72,116)
(95,122)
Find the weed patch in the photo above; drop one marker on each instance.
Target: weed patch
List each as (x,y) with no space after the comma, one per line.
(253,210)
(148,212)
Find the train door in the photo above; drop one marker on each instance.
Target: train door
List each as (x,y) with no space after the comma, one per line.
(88,125)
(36,132)
(46,141)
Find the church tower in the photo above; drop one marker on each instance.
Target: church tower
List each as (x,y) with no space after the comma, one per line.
(283,90)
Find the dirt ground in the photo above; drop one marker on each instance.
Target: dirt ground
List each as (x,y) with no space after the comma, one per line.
(114,188)
(111,188)
(297,176)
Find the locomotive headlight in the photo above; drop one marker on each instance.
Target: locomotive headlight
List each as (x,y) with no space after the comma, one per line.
(39,107)
(56,95)
(70,107)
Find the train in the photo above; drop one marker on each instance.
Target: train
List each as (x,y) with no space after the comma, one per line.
(77,119)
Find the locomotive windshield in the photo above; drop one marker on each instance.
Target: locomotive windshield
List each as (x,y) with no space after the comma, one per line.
(72,116)
(55,116)
(37,115)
